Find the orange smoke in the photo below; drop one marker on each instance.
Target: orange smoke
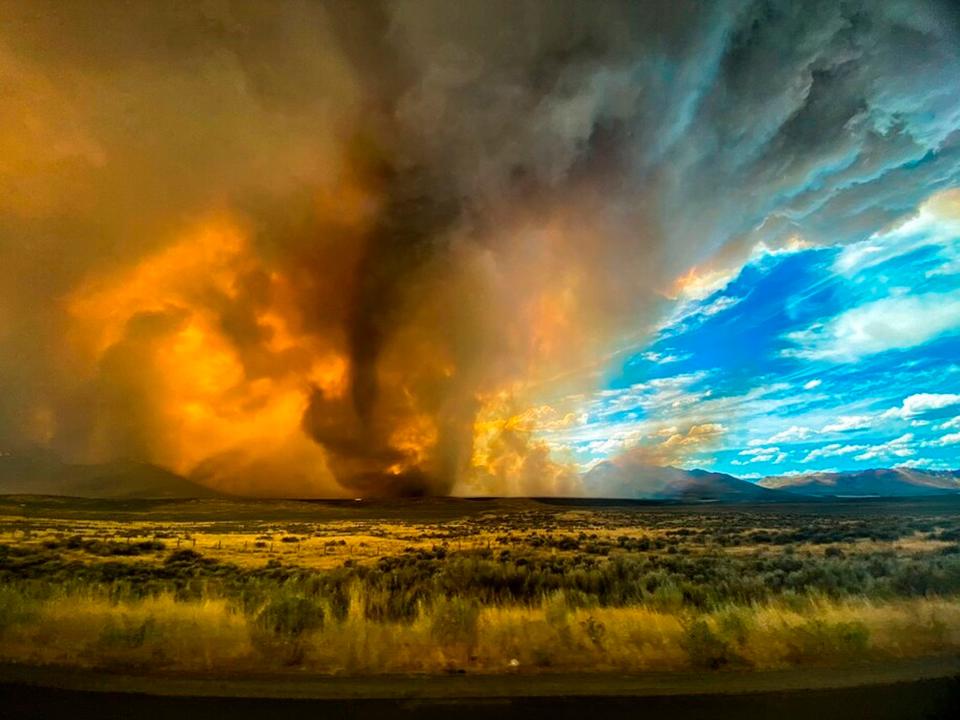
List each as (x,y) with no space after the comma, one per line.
(209,400)
(509,458)
(233,364)
(207,261)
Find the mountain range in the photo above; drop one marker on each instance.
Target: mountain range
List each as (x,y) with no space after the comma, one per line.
(43,473)
(883,482)
(609,479)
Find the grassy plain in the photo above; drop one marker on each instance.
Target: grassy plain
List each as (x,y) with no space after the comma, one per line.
(476,586)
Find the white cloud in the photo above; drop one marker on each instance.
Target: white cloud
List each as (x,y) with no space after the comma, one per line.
(759,451)
(795,473)
(952,423)
(655,396)
(916,463)
(663,359)
(722,303)
(951,439)
(690,314)
(794,432)
(930,226)
(889,324)
(816,382)
(857,256)
(920,403)
(951,267)
(849,422)
(833,450)
(756,455)
(898,447)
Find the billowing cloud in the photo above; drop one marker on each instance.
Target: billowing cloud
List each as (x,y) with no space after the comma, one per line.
(921,403)
(897,447)
(794,432)
(848,422)
(761,455)
(893,323)
(832,450)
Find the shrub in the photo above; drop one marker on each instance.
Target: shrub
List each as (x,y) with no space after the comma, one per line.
(15,609)
(339,600)
(595,630)
(290,617)
(183,557)
(819,641)
(734,625)
(705,648)
(125,635)
(454,621)
(391,605)
(556,611)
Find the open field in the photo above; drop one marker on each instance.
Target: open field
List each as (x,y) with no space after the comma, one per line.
(475,586)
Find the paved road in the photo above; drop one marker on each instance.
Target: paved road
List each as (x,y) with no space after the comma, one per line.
(886,693)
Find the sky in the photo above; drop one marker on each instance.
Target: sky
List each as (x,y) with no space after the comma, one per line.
(804,359)
(421,247)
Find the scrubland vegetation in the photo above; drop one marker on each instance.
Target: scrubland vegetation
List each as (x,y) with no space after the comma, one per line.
(510,587)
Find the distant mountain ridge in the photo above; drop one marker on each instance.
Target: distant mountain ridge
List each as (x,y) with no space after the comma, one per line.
(43,473)
(610,479)
(613,479)
(879,482)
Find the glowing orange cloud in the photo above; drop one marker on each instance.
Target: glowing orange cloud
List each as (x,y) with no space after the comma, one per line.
(208,402)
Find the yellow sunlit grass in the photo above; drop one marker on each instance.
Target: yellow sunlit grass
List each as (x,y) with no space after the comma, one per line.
(210,634)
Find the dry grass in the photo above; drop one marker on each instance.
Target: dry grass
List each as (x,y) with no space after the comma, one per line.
(650,590)
(318,544)
(157,632)
(162,633)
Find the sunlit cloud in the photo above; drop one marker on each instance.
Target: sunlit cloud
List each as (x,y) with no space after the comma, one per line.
(921,403)
(848,422)
(832,450)
(794,432)
(893,323)
(898,447)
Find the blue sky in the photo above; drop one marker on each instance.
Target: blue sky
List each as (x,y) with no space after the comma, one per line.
(803,359)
